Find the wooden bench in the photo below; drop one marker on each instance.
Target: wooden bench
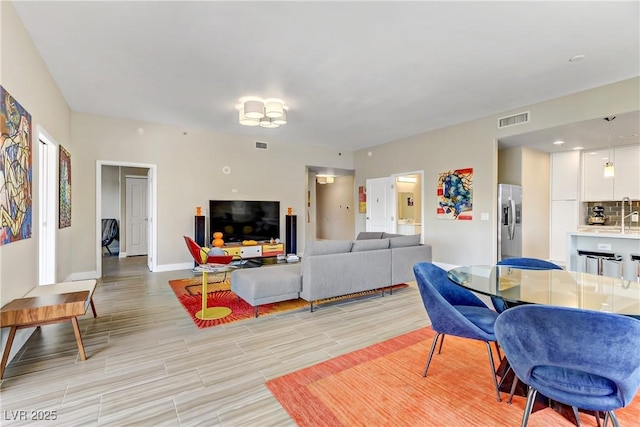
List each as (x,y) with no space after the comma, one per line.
(48,304)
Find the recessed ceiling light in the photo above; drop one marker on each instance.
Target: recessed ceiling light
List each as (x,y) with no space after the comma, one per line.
(558,142)
(631,135)
(577,58)
(578,148)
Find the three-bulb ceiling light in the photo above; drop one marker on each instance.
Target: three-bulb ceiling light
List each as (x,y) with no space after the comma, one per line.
(268,113)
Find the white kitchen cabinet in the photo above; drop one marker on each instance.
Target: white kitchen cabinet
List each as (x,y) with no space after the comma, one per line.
(565,175)
(596,188)
(627,180)
(564,219)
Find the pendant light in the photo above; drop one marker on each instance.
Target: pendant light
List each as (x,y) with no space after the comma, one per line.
(609,168)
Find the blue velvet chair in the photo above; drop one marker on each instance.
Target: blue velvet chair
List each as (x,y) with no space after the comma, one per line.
(454,310)
(582,358)
(523,264)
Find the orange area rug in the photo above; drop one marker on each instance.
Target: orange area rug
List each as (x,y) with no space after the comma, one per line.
(382,385)
(219,294)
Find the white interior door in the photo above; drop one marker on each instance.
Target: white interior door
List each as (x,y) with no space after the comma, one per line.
(137,217)
(381,205)
(47,210)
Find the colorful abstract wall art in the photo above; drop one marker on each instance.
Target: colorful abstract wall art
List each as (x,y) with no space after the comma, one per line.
(15,170)
(64,215)
(455,194)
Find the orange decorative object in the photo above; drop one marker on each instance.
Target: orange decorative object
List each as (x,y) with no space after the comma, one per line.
(289,211)
(217,239)
(198,211)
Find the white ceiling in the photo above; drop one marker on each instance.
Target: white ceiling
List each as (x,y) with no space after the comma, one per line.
(354,74)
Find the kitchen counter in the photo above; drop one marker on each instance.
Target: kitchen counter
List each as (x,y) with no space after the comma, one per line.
(607,231)
(604,239)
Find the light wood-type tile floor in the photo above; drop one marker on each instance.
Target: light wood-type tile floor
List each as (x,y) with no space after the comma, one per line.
(149,365)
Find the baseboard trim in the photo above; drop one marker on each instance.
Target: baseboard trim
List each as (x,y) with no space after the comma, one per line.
(174,267)
(122,254)
(83,275)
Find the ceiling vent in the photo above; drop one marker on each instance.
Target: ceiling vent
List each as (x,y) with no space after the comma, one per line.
(516,119)
(262,145)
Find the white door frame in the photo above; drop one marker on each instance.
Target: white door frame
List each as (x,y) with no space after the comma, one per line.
(152,247)
(47,197)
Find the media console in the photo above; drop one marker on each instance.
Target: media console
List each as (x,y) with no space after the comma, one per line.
(260,250)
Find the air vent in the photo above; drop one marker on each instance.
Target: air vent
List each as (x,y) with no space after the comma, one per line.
(516,119)
(262,145)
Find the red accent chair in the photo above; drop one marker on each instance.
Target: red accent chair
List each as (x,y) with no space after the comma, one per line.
(195,250)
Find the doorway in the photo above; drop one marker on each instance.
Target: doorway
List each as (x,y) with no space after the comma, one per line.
(146,211)
(409,202)
(394,204)
(48,150)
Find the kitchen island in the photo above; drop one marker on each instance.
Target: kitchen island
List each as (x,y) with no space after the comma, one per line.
(604,239)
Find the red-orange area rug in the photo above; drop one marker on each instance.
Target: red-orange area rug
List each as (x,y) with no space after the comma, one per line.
(189,293)
(382,385)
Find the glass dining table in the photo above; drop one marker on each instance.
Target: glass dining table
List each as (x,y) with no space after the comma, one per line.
(551,287)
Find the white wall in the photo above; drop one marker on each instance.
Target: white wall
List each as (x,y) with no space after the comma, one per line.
(536,196)
(473,144)
(110,192)
(24,75)
(111,199)
(335,213)
(189,174)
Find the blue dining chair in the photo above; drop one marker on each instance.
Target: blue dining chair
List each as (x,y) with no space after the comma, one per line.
(582,358)
(455,311)
(523,264)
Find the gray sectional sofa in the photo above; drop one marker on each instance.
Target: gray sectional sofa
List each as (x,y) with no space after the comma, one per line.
(332,268)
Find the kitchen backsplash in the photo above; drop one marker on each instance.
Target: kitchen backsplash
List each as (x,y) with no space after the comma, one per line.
(613,211)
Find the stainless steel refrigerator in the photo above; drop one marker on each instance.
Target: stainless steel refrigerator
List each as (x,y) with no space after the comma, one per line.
(509,221)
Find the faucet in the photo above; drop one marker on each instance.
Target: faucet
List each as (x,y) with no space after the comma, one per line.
(623,216)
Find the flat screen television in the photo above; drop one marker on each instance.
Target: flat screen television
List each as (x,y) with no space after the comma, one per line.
(240,220)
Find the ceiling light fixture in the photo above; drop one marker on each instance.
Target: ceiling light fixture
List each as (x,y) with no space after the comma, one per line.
(325,179)
(609,168)
(269,113)
(407,179)
(558,142)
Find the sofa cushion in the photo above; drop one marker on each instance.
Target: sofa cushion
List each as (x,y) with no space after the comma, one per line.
(403,241)
(365,235)
(324,247)
(369,245)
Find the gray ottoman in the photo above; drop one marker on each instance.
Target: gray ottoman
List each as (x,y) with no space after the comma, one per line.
(267,284)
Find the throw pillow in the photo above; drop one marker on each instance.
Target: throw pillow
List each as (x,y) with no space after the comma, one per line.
(369,245)
(324,247)
(402,241)
(365,235)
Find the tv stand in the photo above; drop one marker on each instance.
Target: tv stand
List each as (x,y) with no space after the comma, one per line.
(260,250)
